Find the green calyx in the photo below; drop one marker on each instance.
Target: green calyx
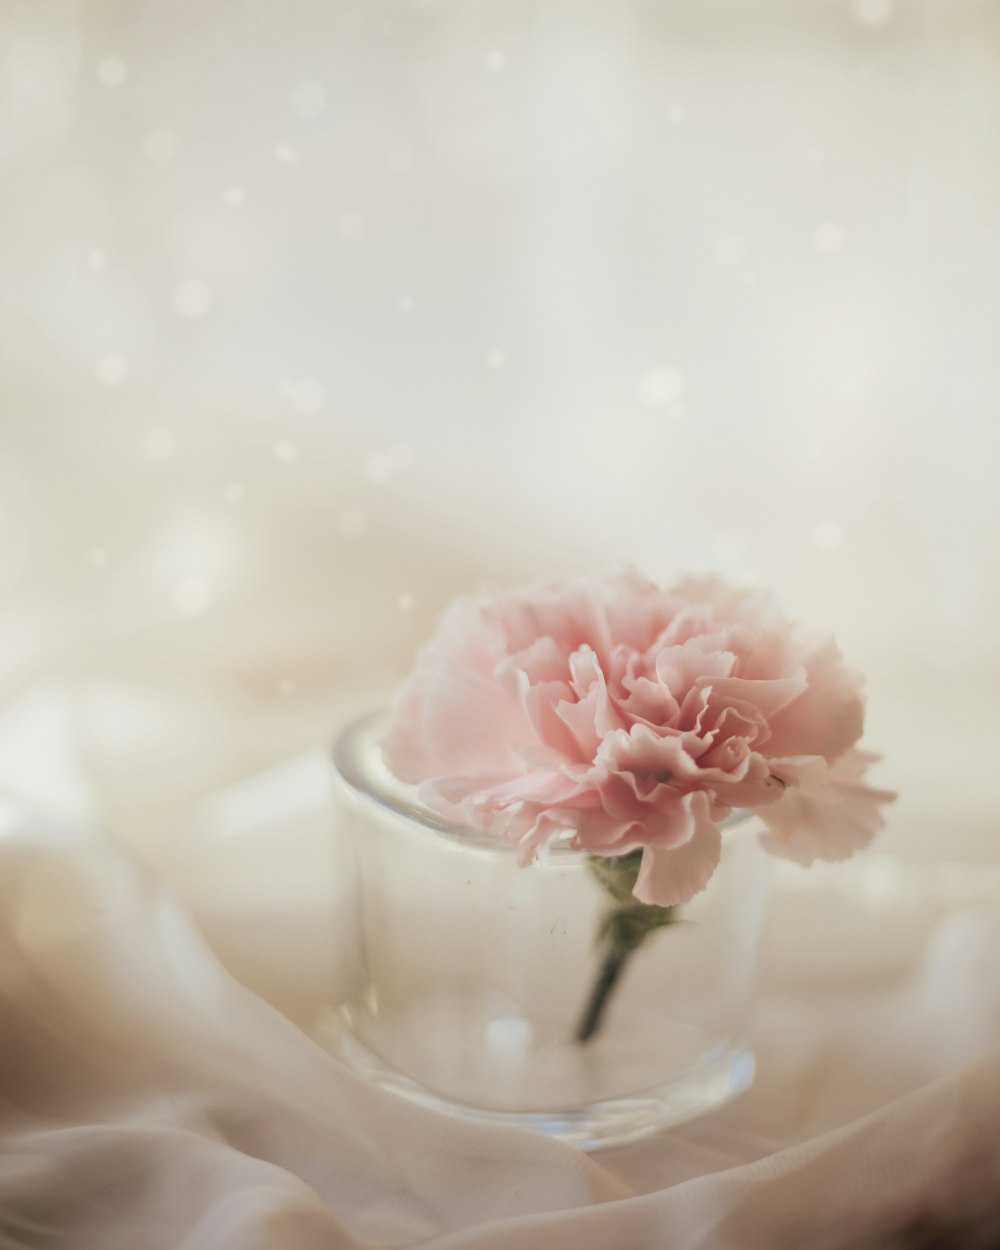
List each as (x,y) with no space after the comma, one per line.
(627,922)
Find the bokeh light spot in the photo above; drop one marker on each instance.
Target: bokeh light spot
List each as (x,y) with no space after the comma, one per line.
(286,452)
(829,237)
(160,146)
(828,535)
(192,596)
(308,99)
(160,444)
(285,154)
(192,298)
(112,369)
(378,467)
(728,250)
(111,71)
(660,387)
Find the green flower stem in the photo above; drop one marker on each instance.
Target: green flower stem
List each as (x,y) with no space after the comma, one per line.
(614,961)
(625,926)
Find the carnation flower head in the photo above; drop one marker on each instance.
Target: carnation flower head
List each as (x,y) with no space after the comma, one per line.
(616,715)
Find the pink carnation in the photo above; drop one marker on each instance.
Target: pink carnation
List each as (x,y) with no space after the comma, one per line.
(618,715)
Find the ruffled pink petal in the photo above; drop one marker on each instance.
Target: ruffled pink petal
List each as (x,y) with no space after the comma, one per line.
(592,715)
(641,752)
(542,704)
(804,769)
(672,875)
(768,697)
(526,828)
(543,788)
(627,715)
(828,716)
(680,667)
(827,821)
(470,724)
(543,660)
(648,701)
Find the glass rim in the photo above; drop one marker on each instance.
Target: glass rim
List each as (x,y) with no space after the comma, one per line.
(379,786)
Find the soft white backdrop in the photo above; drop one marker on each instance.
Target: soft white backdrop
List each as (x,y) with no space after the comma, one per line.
(314,314)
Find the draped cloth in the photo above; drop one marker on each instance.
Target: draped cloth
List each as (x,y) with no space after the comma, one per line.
(150,1099)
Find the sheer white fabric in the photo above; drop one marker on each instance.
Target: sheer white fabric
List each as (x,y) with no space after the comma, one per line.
(149,1099)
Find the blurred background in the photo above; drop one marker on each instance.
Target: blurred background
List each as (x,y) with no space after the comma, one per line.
(313,314)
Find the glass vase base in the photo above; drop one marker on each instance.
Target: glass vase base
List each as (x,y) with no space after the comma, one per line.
(596,1126)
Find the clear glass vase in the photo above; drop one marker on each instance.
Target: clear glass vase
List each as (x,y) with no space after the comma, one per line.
(471,973)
